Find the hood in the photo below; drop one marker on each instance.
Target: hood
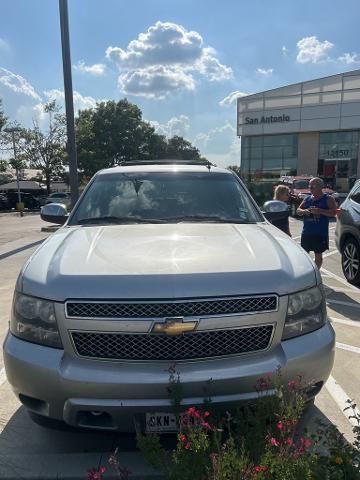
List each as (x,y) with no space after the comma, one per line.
(166,261)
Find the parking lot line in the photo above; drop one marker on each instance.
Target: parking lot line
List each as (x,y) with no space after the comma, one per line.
(341,399)
(339,279)
(2,376)
(349,348)
(344,321)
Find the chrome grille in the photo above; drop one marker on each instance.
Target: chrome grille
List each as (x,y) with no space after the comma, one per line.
(190,308)
(204,344)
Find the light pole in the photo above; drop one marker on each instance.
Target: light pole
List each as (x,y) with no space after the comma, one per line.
(69,104)
(14,130)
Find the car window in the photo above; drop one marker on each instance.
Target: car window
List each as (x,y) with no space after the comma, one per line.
(167,196)
(355,195)
(301,184)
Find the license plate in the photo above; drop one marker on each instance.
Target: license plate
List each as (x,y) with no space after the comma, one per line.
(158,422)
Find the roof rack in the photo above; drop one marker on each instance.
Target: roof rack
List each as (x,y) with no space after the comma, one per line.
(167,161)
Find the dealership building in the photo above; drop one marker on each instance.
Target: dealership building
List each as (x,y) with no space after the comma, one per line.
(309,128)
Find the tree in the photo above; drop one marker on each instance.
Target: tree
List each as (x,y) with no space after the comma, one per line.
(178,147)
(115,131)
(45,150)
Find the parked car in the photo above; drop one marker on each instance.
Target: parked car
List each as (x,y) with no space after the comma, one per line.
(8,201)
(159,265)
(299,189)
(347,235)
(59,197)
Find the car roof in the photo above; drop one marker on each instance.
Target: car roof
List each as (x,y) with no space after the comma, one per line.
(176,167)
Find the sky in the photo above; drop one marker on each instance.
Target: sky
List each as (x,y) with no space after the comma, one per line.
(184,63)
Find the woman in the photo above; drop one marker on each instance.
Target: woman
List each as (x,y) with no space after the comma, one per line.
(282,193)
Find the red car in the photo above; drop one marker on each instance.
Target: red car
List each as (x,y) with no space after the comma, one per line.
(299,189)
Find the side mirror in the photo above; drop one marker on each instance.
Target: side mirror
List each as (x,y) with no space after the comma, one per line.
(275,210)
(54,213)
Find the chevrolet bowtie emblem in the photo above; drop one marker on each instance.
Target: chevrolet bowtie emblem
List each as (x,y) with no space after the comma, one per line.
(174,327)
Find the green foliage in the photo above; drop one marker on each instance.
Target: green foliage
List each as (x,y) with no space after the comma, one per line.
(115,131)
(45,149)
(261,442)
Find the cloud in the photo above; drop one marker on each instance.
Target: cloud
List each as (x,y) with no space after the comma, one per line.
(214,140)
(284,50)
(81,102)
(165,58)
(349,58)
(155,82)
(231,98)
(311,50)
(4,46)
(96,69)
(17,83)
(220,145)
(175,126)
(264,71)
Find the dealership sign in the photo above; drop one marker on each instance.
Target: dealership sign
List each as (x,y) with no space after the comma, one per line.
(271,119)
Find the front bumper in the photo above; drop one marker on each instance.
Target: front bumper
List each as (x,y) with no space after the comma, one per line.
(51,383)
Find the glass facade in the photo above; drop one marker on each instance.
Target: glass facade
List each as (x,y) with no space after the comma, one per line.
(269,155)
(265,158)
(338,158)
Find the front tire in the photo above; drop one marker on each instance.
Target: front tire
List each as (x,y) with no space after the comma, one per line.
(350,261)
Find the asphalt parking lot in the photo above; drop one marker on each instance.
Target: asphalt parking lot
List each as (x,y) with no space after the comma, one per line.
(29,451)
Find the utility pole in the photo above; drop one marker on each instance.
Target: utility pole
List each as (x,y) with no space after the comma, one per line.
(69,104)
(13,130)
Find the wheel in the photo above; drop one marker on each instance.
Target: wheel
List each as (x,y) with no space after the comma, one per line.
(293,210)
(350,261)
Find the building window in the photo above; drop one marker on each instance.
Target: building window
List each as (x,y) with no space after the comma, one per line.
(265,158)
(338,159)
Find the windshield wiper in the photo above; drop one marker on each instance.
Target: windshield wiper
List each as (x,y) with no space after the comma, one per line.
(116,220)
(205,218)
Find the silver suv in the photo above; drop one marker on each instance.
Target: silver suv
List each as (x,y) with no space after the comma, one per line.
(162,263)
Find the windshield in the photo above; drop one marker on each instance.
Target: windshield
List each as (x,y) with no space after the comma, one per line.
(301,184)
(165,197)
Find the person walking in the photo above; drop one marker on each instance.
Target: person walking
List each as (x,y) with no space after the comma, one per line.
(316,209)
(282,194)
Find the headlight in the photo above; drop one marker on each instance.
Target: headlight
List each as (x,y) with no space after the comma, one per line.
(306,312)
(34,320)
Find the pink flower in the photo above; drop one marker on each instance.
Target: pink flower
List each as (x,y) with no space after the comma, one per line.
(192,412)
(102,469)
(260,468)
(183,438)
(187,446)
(280,425)
(206,425)
(206,414)
(308,442)
(292,384)
(289,441)
(274,442)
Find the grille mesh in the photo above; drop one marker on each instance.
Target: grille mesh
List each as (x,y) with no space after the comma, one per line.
(171,309)
(214,343)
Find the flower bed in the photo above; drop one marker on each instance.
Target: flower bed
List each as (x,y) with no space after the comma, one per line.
(256,442)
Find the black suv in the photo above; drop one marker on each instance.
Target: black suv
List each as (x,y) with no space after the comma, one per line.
(347,235)
(9,200)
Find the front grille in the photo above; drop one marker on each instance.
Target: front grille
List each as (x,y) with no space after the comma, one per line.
(191,308)
(148,346)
